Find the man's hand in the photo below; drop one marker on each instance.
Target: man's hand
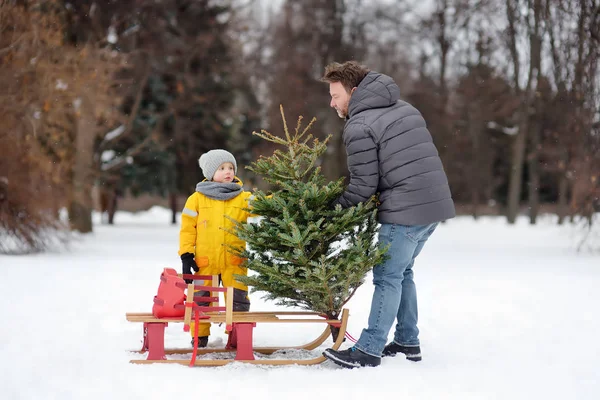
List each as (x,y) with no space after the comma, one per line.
(188,264)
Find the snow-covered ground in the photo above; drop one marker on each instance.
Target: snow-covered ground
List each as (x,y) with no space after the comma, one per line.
(507,312)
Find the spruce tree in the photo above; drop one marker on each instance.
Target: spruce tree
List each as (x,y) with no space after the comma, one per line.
(304,252)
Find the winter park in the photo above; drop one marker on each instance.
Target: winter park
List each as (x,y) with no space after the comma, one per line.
(284,199)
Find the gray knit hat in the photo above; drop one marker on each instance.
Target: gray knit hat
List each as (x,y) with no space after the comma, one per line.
(211,161)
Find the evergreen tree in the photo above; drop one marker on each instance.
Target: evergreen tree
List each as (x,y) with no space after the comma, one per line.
(184,92)
(306,253)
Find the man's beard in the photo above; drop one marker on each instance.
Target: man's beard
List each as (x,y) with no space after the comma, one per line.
(340,113)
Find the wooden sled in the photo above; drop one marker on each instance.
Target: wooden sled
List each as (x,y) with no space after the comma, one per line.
(239,324)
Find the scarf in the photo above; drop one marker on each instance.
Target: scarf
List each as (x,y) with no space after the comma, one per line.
(219,191)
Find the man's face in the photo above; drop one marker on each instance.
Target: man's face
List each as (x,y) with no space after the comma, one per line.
(340,98)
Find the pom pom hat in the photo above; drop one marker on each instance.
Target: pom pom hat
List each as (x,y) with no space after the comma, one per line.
(211,161)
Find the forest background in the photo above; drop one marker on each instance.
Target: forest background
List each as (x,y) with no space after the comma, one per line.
(104,103)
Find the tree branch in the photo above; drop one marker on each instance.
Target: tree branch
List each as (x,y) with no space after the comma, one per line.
(134,110)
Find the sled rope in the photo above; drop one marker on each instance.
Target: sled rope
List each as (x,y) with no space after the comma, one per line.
(350,337)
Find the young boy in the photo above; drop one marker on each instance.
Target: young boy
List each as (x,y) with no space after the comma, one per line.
(203,237)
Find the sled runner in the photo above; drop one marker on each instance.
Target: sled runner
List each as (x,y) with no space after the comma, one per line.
(240,326)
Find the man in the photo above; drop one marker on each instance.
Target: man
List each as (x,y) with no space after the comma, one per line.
(389,152)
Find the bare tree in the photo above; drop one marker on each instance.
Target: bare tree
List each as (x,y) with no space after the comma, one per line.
(483,104)
(41,80)
(530,27)
(306,36)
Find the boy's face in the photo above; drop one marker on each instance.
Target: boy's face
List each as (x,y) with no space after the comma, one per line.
(225,173)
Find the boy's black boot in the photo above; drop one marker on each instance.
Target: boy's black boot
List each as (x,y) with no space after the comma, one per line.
(202,341)
(412,353)
(352,358)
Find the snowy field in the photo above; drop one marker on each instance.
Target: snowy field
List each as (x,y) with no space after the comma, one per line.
(506,312)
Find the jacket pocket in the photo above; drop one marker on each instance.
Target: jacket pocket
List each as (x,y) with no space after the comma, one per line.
(235,260)
(201,261)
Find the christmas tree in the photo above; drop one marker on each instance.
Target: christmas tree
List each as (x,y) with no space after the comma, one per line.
(305,252)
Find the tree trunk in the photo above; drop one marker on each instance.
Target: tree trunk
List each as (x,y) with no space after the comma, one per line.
(526,95)
(80,217)
(173,204)
(516,170)
(534,162)
(335,331)
(336,165)
(444,44)
(534,179)
(474,130)
(112,207)
(563,200)
(535,40)
(333,49)
(534,196)
(80,208)
(475,202)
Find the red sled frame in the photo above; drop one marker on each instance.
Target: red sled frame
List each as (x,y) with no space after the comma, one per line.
(240,326)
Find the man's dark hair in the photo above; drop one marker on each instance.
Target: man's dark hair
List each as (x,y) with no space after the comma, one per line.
(349,74)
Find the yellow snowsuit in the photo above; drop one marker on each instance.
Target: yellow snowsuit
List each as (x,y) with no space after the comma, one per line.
(203,225)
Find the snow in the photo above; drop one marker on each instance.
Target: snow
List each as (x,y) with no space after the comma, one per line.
(112,36)
(114,133)
(504,129)
(507,312)
(108,155)
(61,85)
(131,30)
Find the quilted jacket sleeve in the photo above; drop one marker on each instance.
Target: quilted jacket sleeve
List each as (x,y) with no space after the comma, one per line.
(363,165)
(189,218)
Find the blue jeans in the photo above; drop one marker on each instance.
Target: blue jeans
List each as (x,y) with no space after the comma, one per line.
(395,295)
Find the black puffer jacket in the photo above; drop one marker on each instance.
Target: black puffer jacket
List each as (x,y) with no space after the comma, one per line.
(391,152)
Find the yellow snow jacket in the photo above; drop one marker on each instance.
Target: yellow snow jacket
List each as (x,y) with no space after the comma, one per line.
(203,233)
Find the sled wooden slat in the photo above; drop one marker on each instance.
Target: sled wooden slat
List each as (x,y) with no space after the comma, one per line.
(218,363)
(295,313)
(215,283)
(271,317)
(189,299)
(229,310)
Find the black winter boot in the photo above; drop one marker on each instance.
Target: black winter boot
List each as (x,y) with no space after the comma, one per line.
(202,341)
(412,353)
(352,358)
